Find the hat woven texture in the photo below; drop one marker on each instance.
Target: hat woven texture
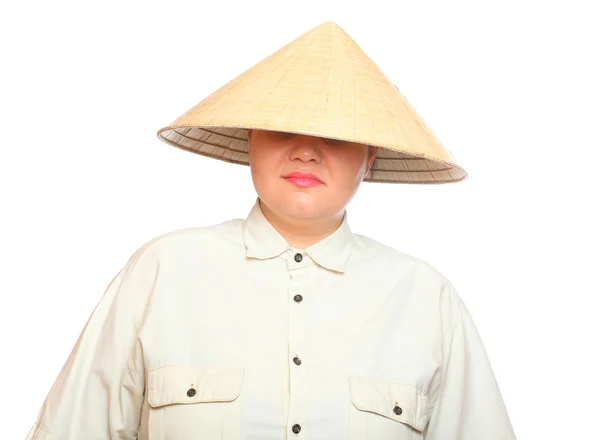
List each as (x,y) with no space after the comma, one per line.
(320,84)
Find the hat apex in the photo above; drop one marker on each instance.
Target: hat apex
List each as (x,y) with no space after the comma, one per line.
(321,84)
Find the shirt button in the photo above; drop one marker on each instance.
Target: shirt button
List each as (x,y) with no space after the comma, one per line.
(298,258)
(191,392)
(297,360)
(397,410)
(297,298)
(296,428)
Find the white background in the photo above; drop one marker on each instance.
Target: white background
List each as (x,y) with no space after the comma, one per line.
(510,88)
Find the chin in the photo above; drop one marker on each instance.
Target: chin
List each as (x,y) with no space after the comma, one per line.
(296,203)
(302,206)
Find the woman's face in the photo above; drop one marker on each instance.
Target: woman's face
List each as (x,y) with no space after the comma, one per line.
(339,168)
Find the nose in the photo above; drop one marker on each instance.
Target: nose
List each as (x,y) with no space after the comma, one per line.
(306,148)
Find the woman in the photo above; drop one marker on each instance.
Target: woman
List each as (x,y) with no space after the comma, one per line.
(286,324)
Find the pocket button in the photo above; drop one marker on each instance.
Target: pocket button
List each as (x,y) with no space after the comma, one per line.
(191,392)
(397,410)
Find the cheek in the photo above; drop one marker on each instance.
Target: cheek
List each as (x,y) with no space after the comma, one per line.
(265,165)
(346,170)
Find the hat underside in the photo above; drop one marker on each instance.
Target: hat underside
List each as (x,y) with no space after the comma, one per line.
(230,144)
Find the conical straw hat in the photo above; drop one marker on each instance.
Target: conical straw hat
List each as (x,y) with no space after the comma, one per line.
(320,84)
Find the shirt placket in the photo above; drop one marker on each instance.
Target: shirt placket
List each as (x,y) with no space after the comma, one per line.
(299,266)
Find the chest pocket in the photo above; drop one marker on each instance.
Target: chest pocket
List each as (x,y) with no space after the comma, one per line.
(195,402)
(386,410)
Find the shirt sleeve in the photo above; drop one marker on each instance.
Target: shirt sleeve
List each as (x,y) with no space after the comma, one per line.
(469,405)
(99,391)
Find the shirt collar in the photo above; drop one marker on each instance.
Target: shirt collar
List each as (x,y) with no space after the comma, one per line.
(263,241)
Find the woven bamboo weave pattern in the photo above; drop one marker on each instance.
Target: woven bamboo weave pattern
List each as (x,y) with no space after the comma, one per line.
(321,84)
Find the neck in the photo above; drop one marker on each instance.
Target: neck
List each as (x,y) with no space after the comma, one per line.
(301,233)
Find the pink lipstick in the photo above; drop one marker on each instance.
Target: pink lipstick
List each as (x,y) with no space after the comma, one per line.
(303,180)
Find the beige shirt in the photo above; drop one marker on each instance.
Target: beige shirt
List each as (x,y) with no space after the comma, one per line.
(226,332)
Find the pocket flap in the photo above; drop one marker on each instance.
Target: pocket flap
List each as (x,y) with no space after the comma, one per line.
(178,384)
(382,396)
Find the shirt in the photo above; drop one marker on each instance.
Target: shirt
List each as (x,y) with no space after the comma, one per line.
(227,332)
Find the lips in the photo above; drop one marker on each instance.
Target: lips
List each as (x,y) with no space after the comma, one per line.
(303,180)
(300,175)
